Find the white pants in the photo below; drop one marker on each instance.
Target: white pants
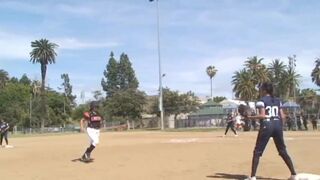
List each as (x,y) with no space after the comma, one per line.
(93,135)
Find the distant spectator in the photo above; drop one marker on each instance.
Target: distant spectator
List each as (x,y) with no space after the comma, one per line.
(299,122)
(305,122)
(289,123)
(314,122)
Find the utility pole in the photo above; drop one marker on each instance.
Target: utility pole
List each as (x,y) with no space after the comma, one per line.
(160,68)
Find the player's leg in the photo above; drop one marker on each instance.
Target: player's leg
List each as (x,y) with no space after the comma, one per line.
(86,155)
(6,137)
(94,140)
(261,143)
(227,129)
(1,138)
(233,129)
(281,147)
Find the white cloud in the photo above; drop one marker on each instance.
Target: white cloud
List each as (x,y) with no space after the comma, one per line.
(73,43)
(18,46)
(14,46)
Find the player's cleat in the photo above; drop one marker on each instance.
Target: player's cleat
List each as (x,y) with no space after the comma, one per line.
(85,157)
(293,177)
(251,178)
(236,135)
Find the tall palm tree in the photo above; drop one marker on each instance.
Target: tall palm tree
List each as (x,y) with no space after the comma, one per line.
(258,69)
(277,70)
(244,85)
(315,75)
(308,98)
(44,53)
(211,71)
(4,78)
(291,79)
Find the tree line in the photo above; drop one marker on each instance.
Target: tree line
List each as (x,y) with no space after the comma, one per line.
(283,75)
(29,103)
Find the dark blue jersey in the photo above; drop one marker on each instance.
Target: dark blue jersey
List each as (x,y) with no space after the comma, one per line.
(272,107)
(4,126)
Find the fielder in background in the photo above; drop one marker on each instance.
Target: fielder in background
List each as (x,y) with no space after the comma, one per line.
(92,120)
(230,124)
(4,128)
(271,118)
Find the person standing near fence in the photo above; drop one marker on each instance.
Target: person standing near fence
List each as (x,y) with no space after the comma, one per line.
(314,122)
(4,129)
(305,122)
(92,120)
(230,124)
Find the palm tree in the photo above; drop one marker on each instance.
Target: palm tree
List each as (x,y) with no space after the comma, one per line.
(211,71)
(4,78)
(277,70)
(316,73)
(244,85)
(291,79)
(308,98)
(259,70)
(44,53)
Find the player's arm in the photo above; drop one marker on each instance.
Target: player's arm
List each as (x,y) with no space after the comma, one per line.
(260,115)
(7,127)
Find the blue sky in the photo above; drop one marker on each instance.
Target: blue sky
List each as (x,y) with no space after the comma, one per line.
(194,35)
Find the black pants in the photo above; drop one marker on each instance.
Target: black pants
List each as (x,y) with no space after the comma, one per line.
(268,129)
(314,125)
(230,125)
(5,136)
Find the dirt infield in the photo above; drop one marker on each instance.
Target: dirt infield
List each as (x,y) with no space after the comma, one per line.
(154,156)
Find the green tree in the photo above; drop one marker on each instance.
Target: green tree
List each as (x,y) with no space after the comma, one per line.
(124,100)
(211,72)
(218,99)
(244,85)
(110,82)
(127,104)
(175,103)
(43,52)
(315,74)
(127,76)
(277,70)
(56,109)
(4,78)
(14,100)
(258,70)
(25,80)
(291,78)
(69,98)
(97,95)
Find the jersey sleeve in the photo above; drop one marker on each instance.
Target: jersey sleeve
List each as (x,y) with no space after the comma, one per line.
(280,104)
(260,104)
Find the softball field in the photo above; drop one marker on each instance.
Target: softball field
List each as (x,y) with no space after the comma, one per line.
(154,155)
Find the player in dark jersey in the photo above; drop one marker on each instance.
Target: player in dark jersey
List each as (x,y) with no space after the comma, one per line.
(92,120)
(230,124)
(4,128)
(271,117)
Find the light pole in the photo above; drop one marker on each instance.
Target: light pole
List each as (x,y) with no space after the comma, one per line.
(160,71)
(292,66)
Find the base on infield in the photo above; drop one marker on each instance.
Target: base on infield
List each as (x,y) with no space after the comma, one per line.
(307,176)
